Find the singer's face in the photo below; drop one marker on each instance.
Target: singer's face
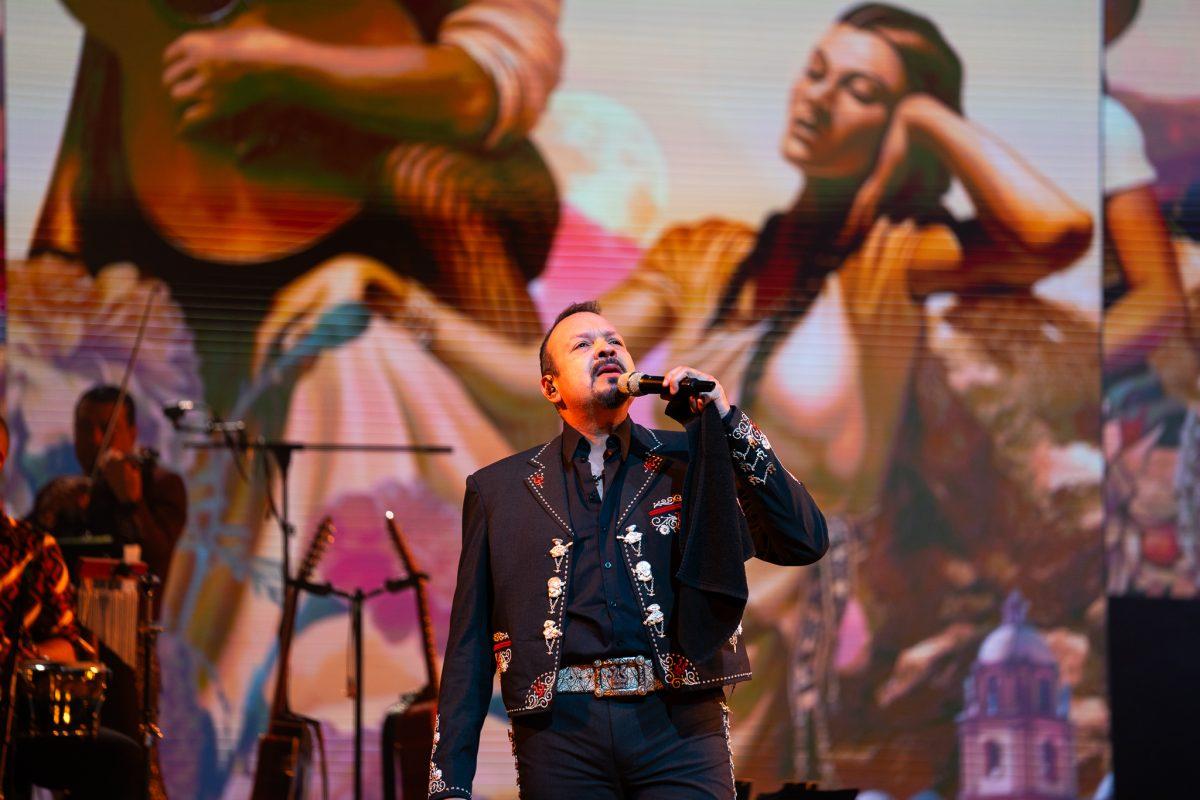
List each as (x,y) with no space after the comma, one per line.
(91,420)
(589,355)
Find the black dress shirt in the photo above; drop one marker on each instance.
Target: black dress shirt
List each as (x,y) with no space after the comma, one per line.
(602,619)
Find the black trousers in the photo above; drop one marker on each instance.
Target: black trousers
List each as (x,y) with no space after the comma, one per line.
(665,746)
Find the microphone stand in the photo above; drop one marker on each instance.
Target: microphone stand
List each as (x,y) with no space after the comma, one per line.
(148,630)
(281,451)
(357,599)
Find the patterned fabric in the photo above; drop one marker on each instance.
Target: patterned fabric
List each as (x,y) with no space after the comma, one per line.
(613,677)
(750,449)
(680,671)
(502,650)
(541,691)
(28,555)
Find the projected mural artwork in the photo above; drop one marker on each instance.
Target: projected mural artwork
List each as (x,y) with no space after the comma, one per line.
(1150,429)
(884,228)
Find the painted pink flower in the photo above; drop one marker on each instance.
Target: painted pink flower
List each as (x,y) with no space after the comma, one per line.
(362,554)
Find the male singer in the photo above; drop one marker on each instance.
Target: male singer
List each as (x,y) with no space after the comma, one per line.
(603,574)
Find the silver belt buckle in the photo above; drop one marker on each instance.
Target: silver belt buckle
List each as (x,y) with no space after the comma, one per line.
(619,677)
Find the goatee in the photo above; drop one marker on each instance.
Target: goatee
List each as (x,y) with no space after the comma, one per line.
(610,398)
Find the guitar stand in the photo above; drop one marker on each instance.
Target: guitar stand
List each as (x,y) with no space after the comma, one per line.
(357,599)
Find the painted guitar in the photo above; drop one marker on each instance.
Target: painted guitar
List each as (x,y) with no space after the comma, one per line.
(408,731)
(285,750)
(271,178)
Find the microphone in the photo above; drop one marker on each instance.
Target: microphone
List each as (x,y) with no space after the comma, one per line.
(175,411)
(637,384)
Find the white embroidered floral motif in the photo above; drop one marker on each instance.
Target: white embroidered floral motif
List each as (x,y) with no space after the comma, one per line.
(750,451)
(540,691)
(679,671)
(665,524)
(673,500)
(436,784)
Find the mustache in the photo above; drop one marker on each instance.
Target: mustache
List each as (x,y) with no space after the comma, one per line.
(607,362)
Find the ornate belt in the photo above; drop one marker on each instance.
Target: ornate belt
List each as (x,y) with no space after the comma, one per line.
(613,677)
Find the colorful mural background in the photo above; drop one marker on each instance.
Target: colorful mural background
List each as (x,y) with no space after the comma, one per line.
(952,435)
(1150,294)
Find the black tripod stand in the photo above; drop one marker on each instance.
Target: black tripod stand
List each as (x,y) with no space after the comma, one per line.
(357,598)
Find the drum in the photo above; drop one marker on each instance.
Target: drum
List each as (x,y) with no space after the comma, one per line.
(64,699)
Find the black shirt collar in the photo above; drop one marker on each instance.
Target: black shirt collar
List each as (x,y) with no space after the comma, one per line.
(575,444)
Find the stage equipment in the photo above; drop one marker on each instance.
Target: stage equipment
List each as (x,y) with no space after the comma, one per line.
(285,750)
(410,724)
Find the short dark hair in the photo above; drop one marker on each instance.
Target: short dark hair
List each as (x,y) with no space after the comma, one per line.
(545,360)
(106,393)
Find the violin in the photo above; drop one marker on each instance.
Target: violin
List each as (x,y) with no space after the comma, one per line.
(62,505)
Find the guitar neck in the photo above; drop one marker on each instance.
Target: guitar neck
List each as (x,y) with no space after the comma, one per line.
(410,565)
(280,706)
(431,666)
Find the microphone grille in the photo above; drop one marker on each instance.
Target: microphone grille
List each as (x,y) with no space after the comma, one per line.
(627,383)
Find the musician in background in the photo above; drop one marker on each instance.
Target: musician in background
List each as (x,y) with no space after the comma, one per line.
(125,494)
(35,583)
(128,495)
(53,629)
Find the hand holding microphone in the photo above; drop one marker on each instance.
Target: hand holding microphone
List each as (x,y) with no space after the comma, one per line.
(700,388)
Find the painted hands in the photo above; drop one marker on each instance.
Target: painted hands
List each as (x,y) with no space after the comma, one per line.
(213,74)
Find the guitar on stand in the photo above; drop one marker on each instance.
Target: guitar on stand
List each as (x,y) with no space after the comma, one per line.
(285,750)
(409,725)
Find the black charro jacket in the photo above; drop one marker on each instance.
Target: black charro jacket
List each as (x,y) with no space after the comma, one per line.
(517,536)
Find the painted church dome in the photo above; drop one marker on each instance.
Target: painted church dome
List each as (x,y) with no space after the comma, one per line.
(1015,640)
